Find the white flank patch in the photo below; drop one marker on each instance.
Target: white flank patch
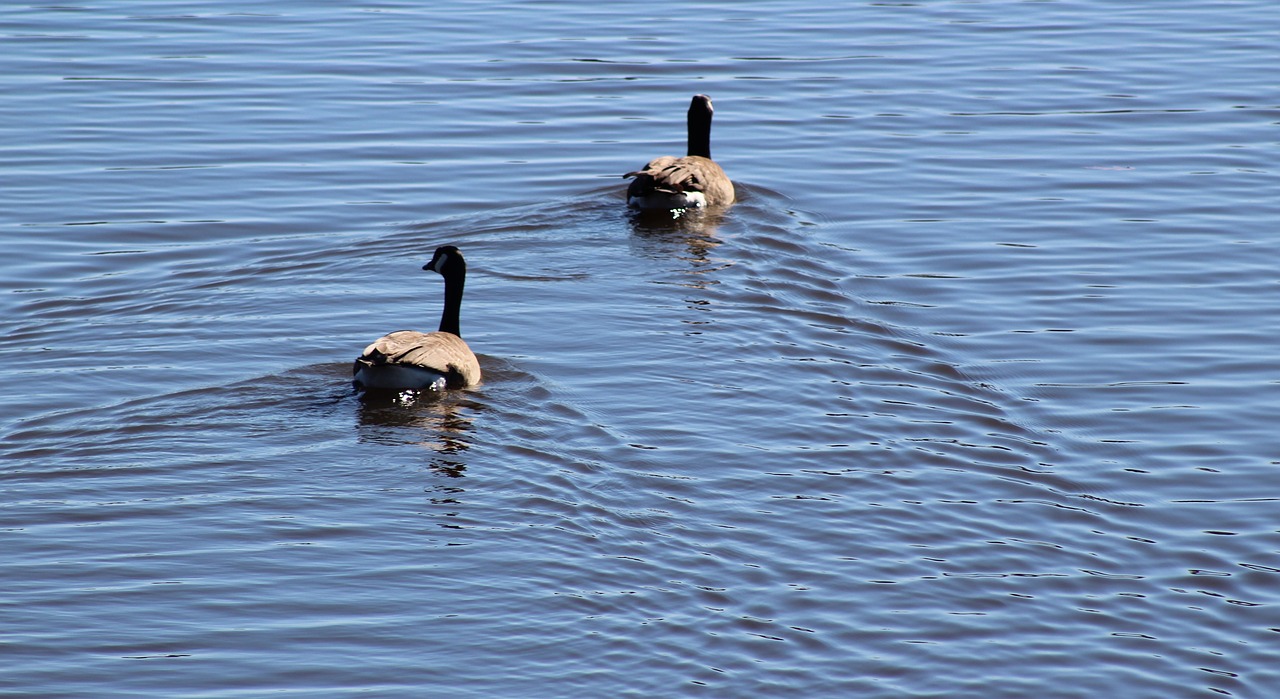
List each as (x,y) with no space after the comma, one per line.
(684,200)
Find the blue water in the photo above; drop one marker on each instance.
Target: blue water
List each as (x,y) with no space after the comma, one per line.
(971,394)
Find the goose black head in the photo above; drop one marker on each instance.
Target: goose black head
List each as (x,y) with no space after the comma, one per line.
(447,259)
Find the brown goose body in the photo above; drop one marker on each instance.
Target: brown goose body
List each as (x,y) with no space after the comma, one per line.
(693,181)
(407,359)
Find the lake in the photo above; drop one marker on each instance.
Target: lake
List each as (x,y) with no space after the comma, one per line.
(971,394)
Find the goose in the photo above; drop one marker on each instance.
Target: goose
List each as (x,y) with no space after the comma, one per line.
(694,181)
(407,359)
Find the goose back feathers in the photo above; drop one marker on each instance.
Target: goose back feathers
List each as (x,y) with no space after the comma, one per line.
(436,360)
(693,181)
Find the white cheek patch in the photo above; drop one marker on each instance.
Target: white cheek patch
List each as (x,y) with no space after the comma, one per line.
(438,264)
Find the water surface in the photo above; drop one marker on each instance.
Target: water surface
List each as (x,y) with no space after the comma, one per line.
(970,394)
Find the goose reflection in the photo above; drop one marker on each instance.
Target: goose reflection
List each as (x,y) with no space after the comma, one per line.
(440,424)
(692,236)
(689,242)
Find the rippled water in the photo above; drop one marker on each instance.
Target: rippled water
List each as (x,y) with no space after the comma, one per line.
(971,394)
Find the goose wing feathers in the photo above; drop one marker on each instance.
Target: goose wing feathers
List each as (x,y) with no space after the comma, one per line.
(671,175)
(664,174)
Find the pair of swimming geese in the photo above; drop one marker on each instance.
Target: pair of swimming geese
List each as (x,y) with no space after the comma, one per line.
(442,360)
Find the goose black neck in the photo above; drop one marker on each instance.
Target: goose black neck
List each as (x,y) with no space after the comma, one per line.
(700,129)
(453,283)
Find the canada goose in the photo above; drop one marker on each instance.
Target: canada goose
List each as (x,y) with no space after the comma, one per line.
(693,181)
(436,361)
